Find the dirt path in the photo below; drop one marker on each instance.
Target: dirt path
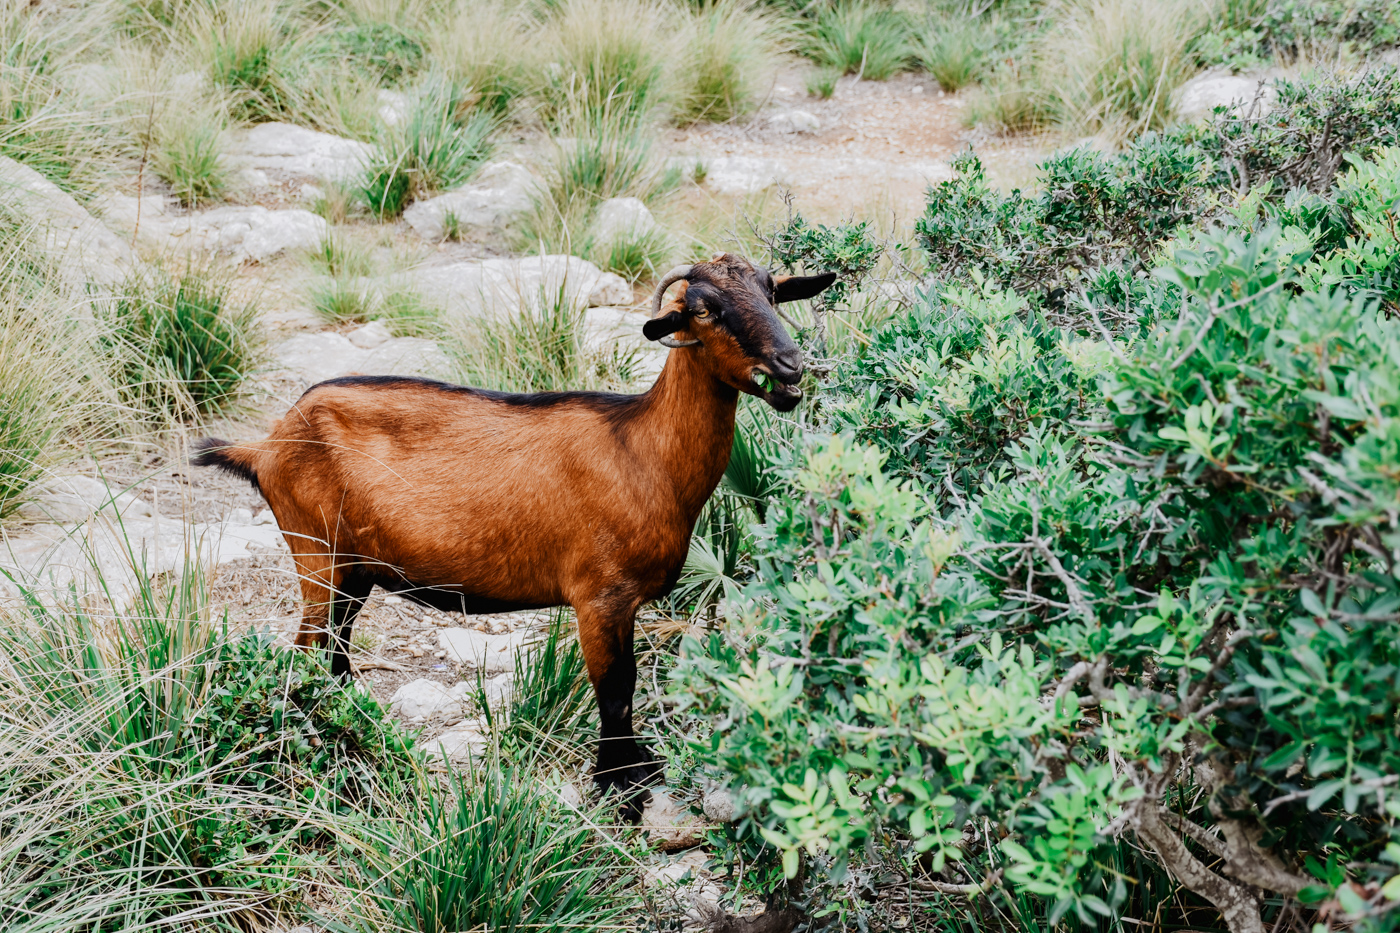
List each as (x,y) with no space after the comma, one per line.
(878,147)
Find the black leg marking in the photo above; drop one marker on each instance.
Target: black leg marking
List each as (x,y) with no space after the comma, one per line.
(623,767)
(345,606)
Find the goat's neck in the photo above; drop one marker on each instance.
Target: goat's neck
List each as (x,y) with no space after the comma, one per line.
(688,422)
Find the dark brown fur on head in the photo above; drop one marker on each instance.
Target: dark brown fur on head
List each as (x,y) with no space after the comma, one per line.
(728,305)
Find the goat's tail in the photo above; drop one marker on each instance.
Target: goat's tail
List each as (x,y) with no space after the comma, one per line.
(236,459)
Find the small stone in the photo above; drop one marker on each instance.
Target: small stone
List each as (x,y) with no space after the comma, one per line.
(743,174)
(622,219)
(461,744)
(490,653)
(669,824)
(795,121)
(692,863)
(416,651)
(393,600)
(370,336)
(422,698)
(264,517)
(1198,97)
(496,195)
(439,654)
(718,804)
(241,516)
(570,795)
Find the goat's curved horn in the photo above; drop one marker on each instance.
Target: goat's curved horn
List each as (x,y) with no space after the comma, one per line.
(669,279)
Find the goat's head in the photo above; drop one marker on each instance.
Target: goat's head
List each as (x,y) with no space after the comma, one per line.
(727,311)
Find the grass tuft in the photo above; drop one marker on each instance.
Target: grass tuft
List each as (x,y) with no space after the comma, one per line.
(953,50)
(609,60)
(488,46)
(183,346)
(731,53)
(533,350)
(438,146)
(858,37)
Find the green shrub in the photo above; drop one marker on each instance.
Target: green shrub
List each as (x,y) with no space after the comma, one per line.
(730,55)
(1091,610)
(857,37)
(496,853)
(1253,33)
(182,344)
(1317,122)
(823,84)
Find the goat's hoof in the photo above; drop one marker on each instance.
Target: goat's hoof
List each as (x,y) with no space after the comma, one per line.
(630,782)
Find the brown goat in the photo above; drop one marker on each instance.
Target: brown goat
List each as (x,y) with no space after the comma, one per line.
(479,501)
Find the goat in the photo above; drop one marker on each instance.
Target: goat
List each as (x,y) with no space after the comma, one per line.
(476,501)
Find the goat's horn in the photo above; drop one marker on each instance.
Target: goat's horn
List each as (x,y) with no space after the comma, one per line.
(669,279)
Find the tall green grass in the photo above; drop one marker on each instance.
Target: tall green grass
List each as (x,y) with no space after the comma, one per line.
(490,47)
(182,344)
(607,59)
(497,852)
(438,146)
(953,49)
(535,350)
(731,51)
(862,38)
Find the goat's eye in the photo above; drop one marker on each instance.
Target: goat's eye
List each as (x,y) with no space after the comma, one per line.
(702,311)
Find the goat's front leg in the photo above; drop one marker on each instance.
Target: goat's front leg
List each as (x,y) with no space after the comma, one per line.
(624,767)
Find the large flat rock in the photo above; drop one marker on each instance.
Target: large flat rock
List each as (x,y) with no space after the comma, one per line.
(84,250)
(288,152)
(248,234)
(502,287)
(498,194)
(318,357)
(108,554)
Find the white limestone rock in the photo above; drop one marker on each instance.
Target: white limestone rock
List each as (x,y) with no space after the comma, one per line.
(503,287)
(499,689)
(688,863)
(1196,98)
(743,174)
(373,334)
(108,555)
(248,234)
(622,219)
(84,250)
(422,698)
(284,150)
(489,653)
(669,824)
(466,742)
(393,107)
(318,357)
(496,195)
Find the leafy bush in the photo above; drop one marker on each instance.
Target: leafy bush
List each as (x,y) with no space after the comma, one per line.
(1251,33)
(1087,595)
(861,38)
(1098,219)
(182,344)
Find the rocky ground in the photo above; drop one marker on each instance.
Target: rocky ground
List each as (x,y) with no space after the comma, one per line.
(869,151)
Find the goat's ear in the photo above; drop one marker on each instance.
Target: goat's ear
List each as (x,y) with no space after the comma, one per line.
(802,287)
(664,326)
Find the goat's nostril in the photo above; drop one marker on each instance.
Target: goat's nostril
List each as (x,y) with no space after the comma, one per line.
(788,364)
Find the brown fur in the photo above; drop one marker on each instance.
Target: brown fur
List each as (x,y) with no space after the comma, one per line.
(483,501)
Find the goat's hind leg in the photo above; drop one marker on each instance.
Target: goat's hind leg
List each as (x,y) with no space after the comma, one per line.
(332,595)
(624,767)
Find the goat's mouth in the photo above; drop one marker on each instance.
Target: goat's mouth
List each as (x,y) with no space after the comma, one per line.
(783,396)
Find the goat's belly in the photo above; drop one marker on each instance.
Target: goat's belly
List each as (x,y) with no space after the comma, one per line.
(458,599)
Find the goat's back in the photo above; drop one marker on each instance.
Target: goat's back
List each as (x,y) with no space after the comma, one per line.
(518,498)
